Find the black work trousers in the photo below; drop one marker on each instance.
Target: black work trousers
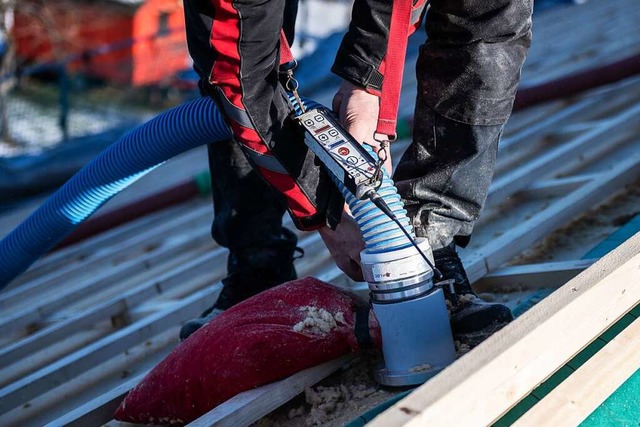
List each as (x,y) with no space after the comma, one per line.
(467,72)
(248,212)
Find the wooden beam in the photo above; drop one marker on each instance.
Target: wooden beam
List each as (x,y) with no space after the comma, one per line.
(96,411)
(94,383)
(77,271)
(551,160)
(85,397)
(541,127)
(50,301)
(515,360)
(503,248)
(137,231)
(532,276)
(249,406)
(516,150)
(202,267)
(580,394)
(520,121)
(584,126)
(558,187)
(88,357)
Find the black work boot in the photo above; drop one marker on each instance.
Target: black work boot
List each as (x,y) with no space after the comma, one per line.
(250,271)
(472,319)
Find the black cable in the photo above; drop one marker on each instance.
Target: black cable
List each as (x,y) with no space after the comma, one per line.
(382,205)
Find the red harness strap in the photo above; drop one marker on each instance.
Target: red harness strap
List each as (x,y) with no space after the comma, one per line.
(400,29)
(285,51)
(394,67)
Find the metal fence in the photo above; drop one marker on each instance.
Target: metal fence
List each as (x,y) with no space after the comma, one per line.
(86,94)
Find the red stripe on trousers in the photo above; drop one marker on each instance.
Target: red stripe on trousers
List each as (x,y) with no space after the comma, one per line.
(225,38)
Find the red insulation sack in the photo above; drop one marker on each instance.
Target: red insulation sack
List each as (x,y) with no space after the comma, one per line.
(271,336)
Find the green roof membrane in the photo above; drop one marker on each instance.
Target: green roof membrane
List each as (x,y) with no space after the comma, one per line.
(616,239)
(620,409)
(565,371)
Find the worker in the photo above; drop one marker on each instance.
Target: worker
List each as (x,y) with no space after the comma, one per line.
(467,73)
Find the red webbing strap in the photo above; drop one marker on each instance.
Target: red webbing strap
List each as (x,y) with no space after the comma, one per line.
(285,51)
(394,67)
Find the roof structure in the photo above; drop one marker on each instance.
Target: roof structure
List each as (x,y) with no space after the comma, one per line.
(85,323)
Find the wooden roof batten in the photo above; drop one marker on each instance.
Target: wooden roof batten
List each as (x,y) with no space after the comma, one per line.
(515,360)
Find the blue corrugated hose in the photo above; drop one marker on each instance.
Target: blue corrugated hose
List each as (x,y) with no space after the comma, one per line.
(138,152)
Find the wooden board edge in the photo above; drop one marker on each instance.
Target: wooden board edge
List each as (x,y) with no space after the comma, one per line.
(579,395)
(249,406)
(456,380)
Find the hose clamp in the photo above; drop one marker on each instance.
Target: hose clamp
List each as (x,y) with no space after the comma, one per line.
(398,275)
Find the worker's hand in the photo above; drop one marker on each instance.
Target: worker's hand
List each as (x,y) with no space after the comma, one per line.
(358,112)
(345,245)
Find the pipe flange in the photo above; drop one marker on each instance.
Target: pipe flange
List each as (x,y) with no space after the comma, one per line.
(395,285)
(410,377)
(402,294)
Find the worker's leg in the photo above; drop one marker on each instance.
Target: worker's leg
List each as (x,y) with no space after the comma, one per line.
(468,73)
(248,211)
(248,221)
(248,217)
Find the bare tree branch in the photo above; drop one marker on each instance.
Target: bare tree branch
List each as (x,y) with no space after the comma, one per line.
(7,67)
